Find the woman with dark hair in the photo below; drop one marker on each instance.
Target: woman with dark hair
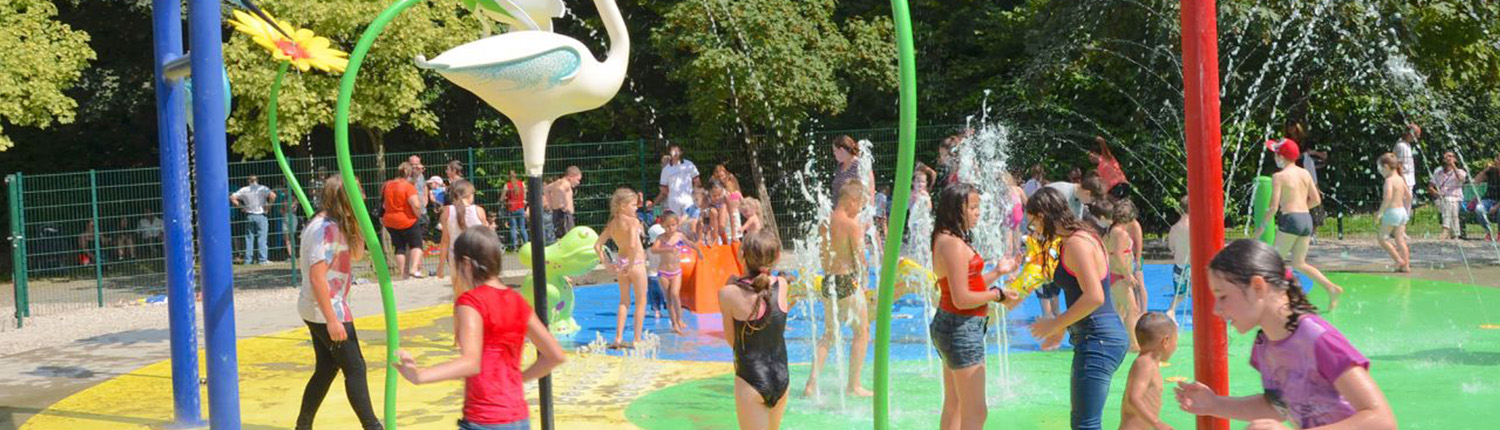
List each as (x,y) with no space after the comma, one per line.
(960,324)
(1098,337)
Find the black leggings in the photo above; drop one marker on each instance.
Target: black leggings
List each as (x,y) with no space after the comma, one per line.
(333,358)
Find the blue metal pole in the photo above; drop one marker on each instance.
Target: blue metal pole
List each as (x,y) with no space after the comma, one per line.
(212,163)
(177,216)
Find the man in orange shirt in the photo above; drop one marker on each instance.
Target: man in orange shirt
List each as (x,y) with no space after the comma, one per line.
(401,202)
(1115,183)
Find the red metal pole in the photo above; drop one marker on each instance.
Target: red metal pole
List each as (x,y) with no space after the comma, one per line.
(1200,85)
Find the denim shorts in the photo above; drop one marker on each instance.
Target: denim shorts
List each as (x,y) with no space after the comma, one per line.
(523,424)
(959,339)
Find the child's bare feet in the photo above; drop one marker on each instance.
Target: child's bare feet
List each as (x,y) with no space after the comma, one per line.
(860,391)
(1333,297)
(811,389)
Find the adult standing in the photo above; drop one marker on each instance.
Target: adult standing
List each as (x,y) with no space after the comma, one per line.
(402,205)
(1109,169)
(1488,206)
(560,200)
(454,171)
(418,180)
(846,153)
(253,199)
(1098,336)
(678,178)
(515,210)
(1447,187)
(1406,154)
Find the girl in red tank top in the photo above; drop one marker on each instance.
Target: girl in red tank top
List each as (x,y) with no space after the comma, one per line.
(492,323)
(959,326)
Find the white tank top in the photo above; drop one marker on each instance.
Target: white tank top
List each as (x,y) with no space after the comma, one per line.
(471,217)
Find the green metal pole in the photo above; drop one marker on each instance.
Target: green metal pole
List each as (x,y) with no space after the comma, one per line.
(286,168)
(1263,189)
(896,224)
(18,245)
(357,200)
(98,255)
(25,280)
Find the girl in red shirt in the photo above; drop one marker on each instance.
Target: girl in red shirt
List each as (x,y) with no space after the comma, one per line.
(492,322)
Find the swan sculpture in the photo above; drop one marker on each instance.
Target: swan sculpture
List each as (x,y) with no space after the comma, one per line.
(517,14)
(534,77)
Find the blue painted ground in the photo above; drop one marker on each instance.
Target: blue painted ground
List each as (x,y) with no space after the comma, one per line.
(597,304)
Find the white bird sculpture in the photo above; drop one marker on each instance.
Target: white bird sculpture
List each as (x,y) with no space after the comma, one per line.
(534,77)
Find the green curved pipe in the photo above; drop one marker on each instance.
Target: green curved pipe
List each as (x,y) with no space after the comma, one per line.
(896,224)
(356,198)
(286,169)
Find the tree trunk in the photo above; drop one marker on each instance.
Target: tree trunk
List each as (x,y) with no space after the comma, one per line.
(377,141)
(767,211)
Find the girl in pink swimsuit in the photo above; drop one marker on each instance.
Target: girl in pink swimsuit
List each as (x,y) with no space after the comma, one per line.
(670,246)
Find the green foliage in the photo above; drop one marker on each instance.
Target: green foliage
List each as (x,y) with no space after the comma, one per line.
(391,92)
(43,58)
(770,66)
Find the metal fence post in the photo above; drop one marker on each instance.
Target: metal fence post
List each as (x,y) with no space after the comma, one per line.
(18,247)
(474,170)
(640,152)
(98,253)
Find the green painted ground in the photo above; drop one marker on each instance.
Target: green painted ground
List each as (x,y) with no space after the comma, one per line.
(1429,354)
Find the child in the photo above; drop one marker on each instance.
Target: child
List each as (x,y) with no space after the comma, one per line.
(733,199)
(844,267)
(656,299)
(958,327)
(1142,406)
(1125,215)
(882,209)
(457,217)
(1311,374)
(1293,196)
(716,215)
(489,322)
(750,209)
(630,265)
(330,244)
(1179,240)
(1017,216)
(694,214)
(1393,215)
(754,313)
(669,247)
(1117,247)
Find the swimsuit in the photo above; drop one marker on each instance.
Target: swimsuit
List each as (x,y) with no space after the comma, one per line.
(760,349)
(1394,217)
(843,285)
(1296,224)
(622,263)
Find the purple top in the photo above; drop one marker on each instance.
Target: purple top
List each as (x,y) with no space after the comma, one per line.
(1300,388)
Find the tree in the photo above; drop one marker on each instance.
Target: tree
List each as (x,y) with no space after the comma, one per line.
(391,92)
(766,67)
(44,58)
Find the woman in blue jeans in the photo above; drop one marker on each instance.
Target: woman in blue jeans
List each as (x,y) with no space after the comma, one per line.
(1098,336)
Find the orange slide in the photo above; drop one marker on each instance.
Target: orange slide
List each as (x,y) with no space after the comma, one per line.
(702,279)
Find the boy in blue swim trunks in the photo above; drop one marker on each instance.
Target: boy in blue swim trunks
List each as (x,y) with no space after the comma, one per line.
(1178,240)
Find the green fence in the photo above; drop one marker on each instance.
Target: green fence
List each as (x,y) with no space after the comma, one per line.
(89,239)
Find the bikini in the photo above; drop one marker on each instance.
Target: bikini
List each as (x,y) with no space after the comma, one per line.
(760,348)
(681,248)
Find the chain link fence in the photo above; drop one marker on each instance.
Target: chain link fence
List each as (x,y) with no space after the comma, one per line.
(94,239)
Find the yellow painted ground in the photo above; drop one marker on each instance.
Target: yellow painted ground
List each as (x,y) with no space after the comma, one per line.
(590,391)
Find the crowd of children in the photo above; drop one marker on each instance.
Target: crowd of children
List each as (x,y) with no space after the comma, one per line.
(1311,375)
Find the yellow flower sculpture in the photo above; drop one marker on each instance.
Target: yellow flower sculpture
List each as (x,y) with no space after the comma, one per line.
(305,51)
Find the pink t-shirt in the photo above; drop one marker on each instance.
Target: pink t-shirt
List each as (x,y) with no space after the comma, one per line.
(495,395)
(1298,372)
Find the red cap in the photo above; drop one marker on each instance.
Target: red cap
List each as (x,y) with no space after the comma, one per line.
(1285,147)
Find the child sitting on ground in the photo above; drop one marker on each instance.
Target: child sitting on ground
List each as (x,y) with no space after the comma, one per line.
(669,248)
(1142,406)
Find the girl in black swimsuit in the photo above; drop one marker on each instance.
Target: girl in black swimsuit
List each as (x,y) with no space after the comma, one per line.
(754,313)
